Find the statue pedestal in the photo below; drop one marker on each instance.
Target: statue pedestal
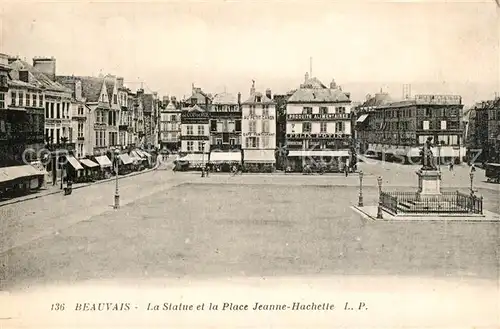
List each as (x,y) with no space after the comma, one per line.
(429,185)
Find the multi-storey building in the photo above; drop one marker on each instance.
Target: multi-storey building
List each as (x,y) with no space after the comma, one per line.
(170,125)
(259,132)
(139,120)
(195,129)
(112,86)
(398,129)
(318,127)
(125,124)
(483,136)
(225,129)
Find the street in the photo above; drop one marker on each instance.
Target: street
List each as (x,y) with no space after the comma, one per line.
(181,225)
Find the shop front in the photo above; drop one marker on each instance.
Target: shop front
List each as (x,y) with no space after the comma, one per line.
(223,161)
(328,160)
(259,160)
(125,164)
(91,170)
(194,161)
(106,167)
(74,169)
(20,180)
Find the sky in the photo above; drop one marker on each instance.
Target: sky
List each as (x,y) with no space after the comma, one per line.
(437,47)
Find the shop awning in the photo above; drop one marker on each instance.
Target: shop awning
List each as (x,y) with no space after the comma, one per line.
(126,160)
(74,162)
(259,156)
(318,153)
(225,157)
(194,158)
(103,161)
(146,154)
(15,172)
(135,155)
(362,118)
(143,154)
(89,163)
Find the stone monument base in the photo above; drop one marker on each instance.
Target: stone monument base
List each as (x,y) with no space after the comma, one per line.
(429,185)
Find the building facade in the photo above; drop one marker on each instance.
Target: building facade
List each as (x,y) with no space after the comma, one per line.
(483,135)
(195,135)
(259,132)
(170,125)
(225,129)
(396,130)
(318,127)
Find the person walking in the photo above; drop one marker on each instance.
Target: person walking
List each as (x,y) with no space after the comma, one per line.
(346,170)
(451,166)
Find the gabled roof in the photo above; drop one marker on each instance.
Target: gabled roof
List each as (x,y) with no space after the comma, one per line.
(110,81)
(313,83)
(378,100)
(91,86)
(225,98)
(253,99)
(170,106)
(39,79)
(313,95)
(195,108)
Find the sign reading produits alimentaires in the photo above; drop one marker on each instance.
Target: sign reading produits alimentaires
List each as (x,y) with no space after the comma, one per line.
(438,99)
(317,116)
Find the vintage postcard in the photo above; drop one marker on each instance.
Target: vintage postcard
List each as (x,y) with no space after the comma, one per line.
(249,164)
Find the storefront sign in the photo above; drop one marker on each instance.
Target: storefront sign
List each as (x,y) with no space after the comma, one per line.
(317,116)
(194,115)
(194,138)
(258,117)
(309,136)
(257,134)
(53,121)
(438,99)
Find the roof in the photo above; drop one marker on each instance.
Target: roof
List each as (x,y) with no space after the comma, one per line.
(110,84)
(19,83)
(253,99)
(313,95)
(225,98)
(40,79)
(377,100)
(314,83)
(91,87)
(170,106)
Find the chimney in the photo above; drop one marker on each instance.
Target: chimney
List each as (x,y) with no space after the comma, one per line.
(268,93)
(306,78)
(119,82)
(12,59)
(4,59)
(252,90)
(239,98)
(24,76)
(46,65)
(333,84)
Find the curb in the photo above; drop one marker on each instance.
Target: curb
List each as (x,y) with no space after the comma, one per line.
(37,196)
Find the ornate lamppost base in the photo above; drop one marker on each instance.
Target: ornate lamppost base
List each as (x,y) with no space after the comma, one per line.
(117,201)
(360,201)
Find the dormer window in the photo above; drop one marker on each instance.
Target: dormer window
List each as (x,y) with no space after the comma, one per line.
(258,99)
(194,101)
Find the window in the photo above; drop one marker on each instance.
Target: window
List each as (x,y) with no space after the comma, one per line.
(28,99)
(80,110)
(232,141)
(323,110)
(252,110)
(339,127)
(21,99)
(218,141)
(51,110)
(265,126)
(237,125)
(201,130)
(341,110)
(306,127)
(252,142)
(58,111)
(252,126)
(258,99)
(265,111)
(80,129)
(443,125)
(425,125)
(115,99)
(230,126)
(40,100)
(13,97)
(428,112)
(190,146)
(307,110)
(189,130)
(200,146)
(2,100)
(265,141)
(173,118)
(323,127)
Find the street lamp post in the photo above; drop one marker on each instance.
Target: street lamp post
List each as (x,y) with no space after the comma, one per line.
(203,160)
(379,209)
(117,194)
(360,199)
(471,175)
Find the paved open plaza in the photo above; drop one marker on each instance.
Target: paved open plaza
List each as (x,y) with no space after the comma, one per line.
(182,225)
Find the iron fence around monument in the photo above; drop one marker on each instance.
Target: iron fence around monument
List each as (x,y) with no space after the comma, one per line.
(445,203)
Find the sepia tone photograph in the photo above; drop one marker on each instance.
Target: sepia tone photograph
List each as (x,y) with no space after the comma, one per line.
(256,164)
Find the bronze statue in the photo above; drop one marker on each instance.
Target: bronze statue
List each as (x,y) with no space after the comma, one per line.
(428,161)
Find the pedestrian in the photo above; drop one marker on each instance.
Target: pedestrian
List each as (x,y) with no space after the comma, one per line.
(451,166)
(346,170)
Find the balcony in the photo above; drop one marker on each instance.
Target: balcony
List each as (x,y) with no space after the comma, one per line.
(80,138)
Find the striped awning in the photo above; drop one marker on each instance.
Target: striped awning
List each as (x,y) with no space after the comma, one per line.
(74,162)
(15,172)
(88,163)
(126,160)
(225,157)
(318,153)
(103,161)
